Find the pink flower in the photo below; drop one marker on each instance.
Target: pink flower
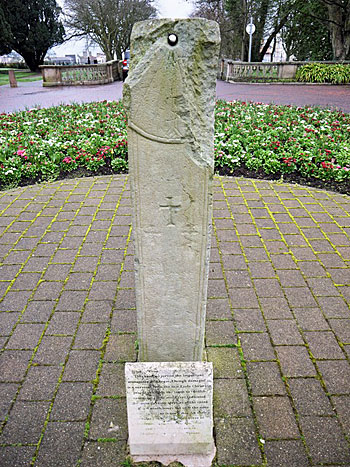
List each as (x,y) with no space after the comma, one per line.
(67,159)
(21,152)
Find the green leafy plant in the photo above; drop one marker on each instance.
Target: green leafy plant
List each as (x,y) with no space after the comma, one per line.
(324,73)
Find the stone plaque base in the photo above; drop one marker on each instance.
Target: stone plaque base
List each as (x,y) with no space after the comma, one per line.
(170,415)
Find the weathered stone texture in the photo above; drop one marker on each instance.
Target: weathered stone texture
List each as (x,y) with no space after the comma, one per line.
(170,96)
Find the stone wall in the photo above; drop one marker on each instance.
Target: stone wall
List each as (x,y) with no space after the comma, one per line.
(233,71)
(71,75)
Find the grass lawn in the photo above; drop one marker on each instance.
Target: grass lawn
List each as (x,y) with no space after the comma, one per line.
(21,75)
(304,145)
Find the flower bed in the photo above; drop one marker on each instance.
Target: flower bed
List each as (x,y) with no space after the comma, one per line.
(307,145)
(304,145)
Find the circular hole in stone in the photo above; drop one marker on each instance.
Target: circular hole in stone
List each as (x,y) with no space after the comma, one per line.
(172,39)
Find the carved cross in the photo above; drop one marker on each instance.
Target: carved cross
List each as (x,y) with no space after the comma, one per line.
(173,208)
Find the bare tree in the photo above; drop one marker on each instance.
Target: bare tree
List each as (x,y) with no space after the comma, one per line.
(107,22)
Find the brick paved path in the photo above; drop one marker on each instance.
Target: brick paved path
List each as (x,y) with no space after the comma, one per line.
(278,327)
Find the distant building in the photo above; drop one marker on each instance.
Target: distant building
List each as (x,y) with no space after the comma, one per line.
(276,52)
(87,58)
(66,60)
(13,57)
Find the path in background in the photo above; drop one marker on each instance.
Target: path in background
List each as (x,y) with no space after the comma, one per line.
(337,97)
(29,95)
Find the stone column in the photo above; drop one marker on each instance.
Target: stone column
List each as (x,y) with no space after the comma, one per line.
(170,98)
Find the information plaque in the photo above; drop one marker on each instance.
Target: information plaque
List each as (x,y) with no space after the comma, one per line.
(170,408)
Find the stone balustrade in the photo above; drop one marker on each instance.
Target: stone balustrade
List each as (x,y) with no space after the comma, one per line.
(71,75)
(233,71)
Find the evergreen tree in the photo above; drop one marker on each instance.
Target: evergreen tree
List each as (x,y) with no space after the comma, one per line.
(32,26)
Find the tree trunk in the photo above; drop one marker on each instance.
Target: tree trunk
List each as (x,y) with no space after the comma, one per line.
(339,25)
(31,61)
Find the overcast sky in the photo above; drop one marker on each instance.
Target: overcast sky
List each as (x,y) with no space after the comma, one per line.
(166,9)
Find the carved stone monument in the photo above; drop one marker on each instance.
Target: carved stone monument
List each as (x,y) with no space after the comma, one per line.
(170,98)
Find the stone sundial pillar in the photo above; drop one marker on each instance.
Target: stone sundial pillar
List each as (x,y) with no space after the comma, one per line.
(170,98)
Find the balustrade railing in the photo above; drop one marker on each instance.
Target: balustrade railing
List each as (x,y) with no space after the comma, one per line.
(71,75)
(235,71)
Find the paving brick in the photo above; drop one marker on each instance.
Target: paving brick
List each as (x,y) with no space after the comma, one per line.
(331,260)
(265,379)
(336,376)
(256,254)
(283,261)
(121,347)
(7,394)
(107,272)
(126,299)
(300,297)
(97,311)
(243,298)
(312,269)
(25,336)
(7,322)
(40,383)
(63,323)
(79,281)
(103,290)
(284,332)
(334,307)
(340,276)
(104,454)
(13,365)
(48,291)
(276,308)
(284,453)
(257,346)
(231,399)
(71,301)
(291,278)
(109,419)
(311,319)
(262,269)
(53,350)
(57,437)
(322,287)
(226,362)
(112,380)
(90,336)
(19,456)
(238,279)
(26,281)
(323,345)
(25,423)
(249,320)
(275,417)
(220,333)
(233,262)
(15,301)
(57,272)
(309,397)
(218,308)
(236,442)
(325,440)
(72,402)
(295,361)
(341,328)
(85,264)
(82,365)
(342,406)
